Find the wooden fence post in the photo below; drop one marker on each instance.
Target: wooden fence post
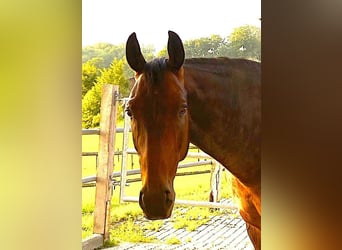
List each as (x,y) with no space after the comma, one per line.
(105,160)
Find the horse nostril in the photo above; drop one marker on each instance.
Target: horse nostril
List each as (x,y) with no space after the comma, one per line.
(168,197)
(141,202)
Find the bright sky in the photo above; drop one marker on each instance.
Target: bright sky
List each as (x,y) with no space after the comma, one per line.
(113,21)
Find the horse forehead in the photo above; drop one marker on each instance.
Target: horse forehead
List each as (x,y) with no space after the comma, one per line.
(168,89)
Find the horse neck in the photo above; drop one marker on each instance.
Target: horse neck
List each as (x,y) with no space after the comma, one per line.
(225,117)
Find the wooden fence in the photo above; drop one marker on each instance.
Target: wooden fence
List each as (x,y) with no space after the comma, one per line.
(105,179)
(104,172)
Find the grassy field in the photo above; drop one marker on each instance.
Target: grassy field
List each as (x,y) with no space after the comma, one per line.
(196,187)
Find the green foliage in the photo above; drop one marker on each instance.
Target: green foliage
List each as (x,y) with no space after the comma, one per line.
(203,47)
(106,63)
(89,75)
(91,102)
(115,75)
(103,54)
(247,37)
(148,51)
(245,42)
(162,53)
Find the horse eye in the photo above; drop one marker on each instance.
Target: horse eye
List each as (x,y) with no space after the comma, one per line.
(128,111)
(183,111)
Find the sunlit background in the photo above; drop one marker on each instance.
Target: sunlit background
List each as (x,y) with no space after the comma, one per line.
(113,21)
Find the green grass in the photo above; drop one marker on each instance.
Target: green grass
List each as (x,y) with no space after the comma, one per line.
(129,232)
(87,225)
(194,218)
(195,187)
(154,225)
(173,241)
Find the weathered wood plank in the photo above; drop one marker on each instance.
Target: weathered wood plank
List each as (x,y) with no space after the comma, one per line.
(105,160)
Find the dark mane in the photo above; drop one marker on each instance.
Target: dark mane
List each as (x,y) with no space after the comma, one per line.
(219,65)
(154,70)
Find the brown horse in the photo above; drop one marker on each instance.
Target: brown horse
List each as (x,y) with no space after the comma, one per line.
(213,103)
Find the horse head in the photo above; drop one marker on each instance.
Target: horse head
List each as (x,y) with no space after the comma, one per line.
(160,125)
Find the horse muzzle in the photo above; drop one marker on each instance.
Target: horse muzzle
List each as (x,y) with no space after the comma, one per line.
(157,204)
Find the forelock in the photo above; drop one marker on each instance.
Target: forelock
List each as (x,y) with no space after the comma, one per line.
(155,69)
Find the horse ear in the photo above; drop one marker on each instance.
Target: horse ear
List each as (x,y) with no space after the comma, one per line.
(176,51)
(134,56)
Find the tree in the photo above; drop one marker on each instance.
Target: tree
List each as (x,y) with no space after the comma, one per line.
(245,42)
(148,51)
(92,99)
(104,54)
(203,47)
(163,52)
(89,75)
(91,103)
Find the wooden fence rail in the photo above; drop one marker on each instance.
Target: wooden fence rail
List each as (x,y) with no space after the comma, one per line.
(92,178)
